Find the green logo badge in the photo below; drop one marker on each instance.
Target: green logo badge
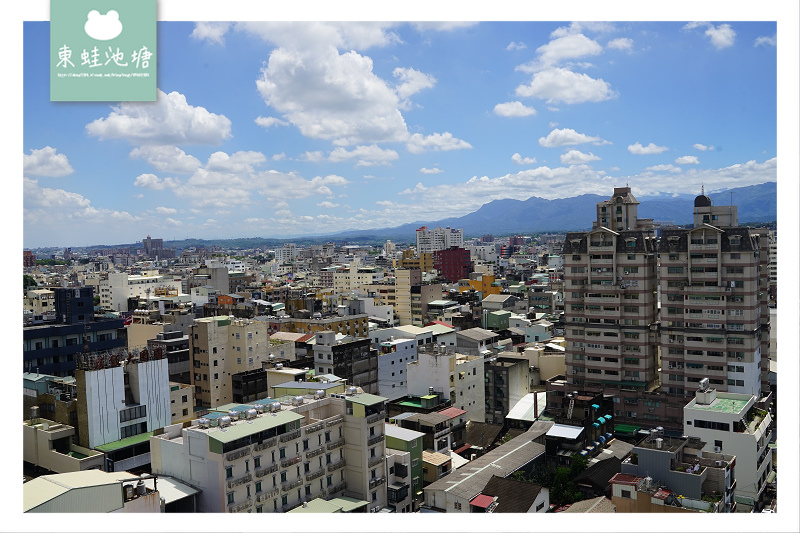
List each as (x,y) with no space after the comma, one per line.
(103,50)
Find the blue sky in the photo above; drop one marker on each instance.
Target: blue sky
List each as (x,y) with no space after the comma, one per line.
(286,129)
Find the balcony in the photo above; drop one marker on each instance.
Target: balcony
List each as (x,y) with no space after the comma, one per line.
(371,419)
(285,463)
(335,444)
(314,453)
(238,454)
(336,466)
(315,475)
(240,481)
(338,419)
(239,507)
(376,481)
(313,428)
(336,488)
(264,496)
(286,487)
(374,440)
(261,472)
(376,460)
(290,436)
(269,443)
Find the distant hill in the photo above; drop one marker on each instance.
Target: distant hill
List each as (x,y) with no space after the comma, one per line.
(756,203)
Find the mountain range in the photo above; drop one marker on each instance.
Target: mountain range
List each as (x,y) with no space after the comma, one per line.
(756,203)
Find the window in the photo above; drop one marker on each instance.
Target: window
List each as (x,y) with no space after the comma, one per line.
(230,497)
(256,462)
(228,472)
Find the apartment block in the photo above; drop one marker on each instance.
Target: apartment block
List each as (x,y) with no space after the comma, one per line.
(221,347)
(393,356)
(429,241)
(714,314)
(53,348)
(351,359)
(735,424)
(697,479)
(610,301)
(272,458)
(454,376)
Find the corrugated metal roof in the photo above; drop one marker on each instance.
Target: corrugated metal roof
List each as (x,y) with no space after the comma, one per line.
(123,443)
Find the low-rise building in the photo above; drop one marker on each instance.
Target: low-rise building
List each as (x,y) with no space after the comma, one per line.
(257,458)
(734,424)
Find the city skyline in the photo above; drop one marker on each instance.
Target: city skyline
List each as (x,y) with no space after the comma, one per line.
(362,125)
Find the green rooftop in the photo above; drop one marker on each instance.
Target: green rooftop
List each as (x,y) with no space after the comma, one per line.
(366,399)
(243,428)
(130,441)
(723,405)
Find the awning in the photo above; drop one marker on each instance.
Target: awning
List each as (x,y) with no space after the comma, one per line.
(482,500)
(462,449)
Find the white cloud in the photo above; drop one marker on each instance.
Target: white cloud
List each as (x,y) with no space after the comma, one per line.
(314,157)
(431,170)
(242,162)
(332,96)
(622,43)
(167,158)
(562,85)
(173,222)
(418,143)
(702,147)
(443,26)
(567,136)
(664,168)
(516,46)
(576,157)
(651,148)
(170,120)
(518,159)
(211,31)
(513,109)
(165,210)
(317,35)
(570,46)
(279,157)
(365,156)
(578,27)
(327,205)
(411,82)
(268,122)
(687,160)
(51,216)
(766,41)
(151,181)
(46,162)
(721,36)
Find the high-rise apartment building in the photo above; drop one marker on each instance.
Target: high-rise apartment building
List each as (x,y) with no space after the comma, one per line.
(713,282)
(714,314)
(610,289)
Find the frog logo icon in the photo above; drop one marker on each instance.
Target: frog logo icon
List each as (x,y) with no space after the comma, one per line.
(102,27)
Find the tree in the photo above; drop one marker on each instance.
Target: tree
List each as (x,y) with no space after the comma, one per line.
(27,282)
